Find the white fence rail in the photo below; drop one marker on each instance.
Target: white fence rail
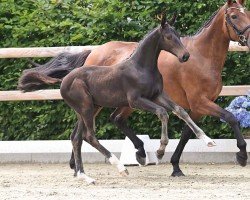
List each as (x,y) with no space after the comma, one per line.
(53,51)
(54,94)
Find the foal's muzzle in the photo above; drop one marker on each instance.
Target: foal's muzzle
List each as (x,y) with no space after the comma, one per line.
(185,57)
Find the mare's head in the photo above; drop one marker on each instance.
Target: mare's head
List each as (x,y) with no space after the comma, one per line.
(170,40)
(237,22)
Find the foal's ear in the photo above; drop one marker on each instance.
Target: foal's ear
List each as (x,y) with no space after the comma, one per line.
(241,2)
(172,21)
(163,20)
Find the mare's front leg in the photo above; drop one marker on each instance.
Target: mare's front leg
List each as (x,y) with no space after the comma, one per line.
(185,136)
(208,107)
(167,103)
(119,117)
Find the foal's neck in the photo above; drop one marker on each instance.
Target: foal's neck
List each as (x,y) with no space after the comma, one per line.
(213,41)
(147,53)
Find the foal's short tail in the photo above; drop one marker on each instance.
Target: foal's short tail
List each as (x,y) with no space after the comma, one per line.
(51,72)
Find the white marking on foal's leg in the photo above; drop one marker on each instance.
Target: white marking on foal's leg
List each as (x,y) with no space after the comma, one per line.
(115,161)
(209,142)
(83,176)
(197,131)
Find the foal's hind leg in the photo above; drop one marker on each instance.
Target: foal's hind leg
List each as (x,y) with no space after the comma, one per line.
(89,137)
(72,159)
(78,127)
(119,117)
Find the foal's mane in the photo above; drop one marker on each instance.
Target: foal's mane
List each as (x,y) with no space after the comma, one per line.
(142,40)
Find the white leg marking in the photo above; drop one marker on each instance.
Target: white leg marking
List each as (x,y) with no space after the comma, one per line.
(199,133)
(115,161)
(83,176)
(209,142)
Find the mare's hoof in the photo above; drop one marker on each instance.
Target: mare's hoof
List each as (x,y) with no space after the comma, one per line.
(140,159)
(124,173)
(177,173)
(241,158)
(159,154)
(72,164)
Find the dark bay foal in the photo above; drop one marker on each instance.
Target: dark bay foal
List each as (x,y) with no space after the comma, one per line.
(136,82)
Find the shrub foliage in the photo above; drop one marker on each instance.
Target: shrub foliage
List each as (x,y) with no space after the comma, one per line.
(39,23)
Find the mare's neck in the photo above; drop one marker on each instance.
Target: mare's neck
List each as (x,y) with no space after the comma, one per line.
(213,41)
(147,53)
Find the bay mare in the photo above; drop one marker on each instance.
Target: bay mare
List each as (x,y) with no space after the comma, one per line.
(193,85)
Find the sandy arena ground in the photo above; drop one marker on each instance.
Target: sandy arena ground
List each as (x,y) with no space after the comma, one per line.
(55,181)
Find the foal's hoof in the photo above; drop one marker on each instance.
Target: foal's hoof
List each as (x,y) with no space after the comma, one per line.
(141,160)
(241,158)
(211,144)
(72,164)
(177,174)
(159,154)
(124,173)
(89,180)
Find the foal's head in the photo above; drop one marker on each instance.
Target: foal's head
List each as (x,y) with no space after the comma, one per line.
(170,40)
(237,22)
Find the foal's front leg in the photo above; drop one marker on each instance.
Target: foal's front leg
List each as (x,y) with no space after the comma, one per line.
(147,105)
(167,103)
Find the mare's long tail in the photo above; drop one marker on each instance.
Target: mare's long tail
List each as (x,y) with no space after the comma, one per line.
(51,72)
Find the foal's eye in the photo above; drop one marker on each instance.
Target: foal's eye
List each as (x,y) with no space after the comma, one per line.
(234,16)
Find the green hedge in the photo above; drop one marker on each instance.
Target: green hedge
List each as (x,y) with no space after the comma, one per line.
(34,23)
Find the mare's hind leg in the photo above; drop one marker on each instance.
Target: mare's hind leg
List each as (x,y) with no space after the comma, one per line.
(118,117)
